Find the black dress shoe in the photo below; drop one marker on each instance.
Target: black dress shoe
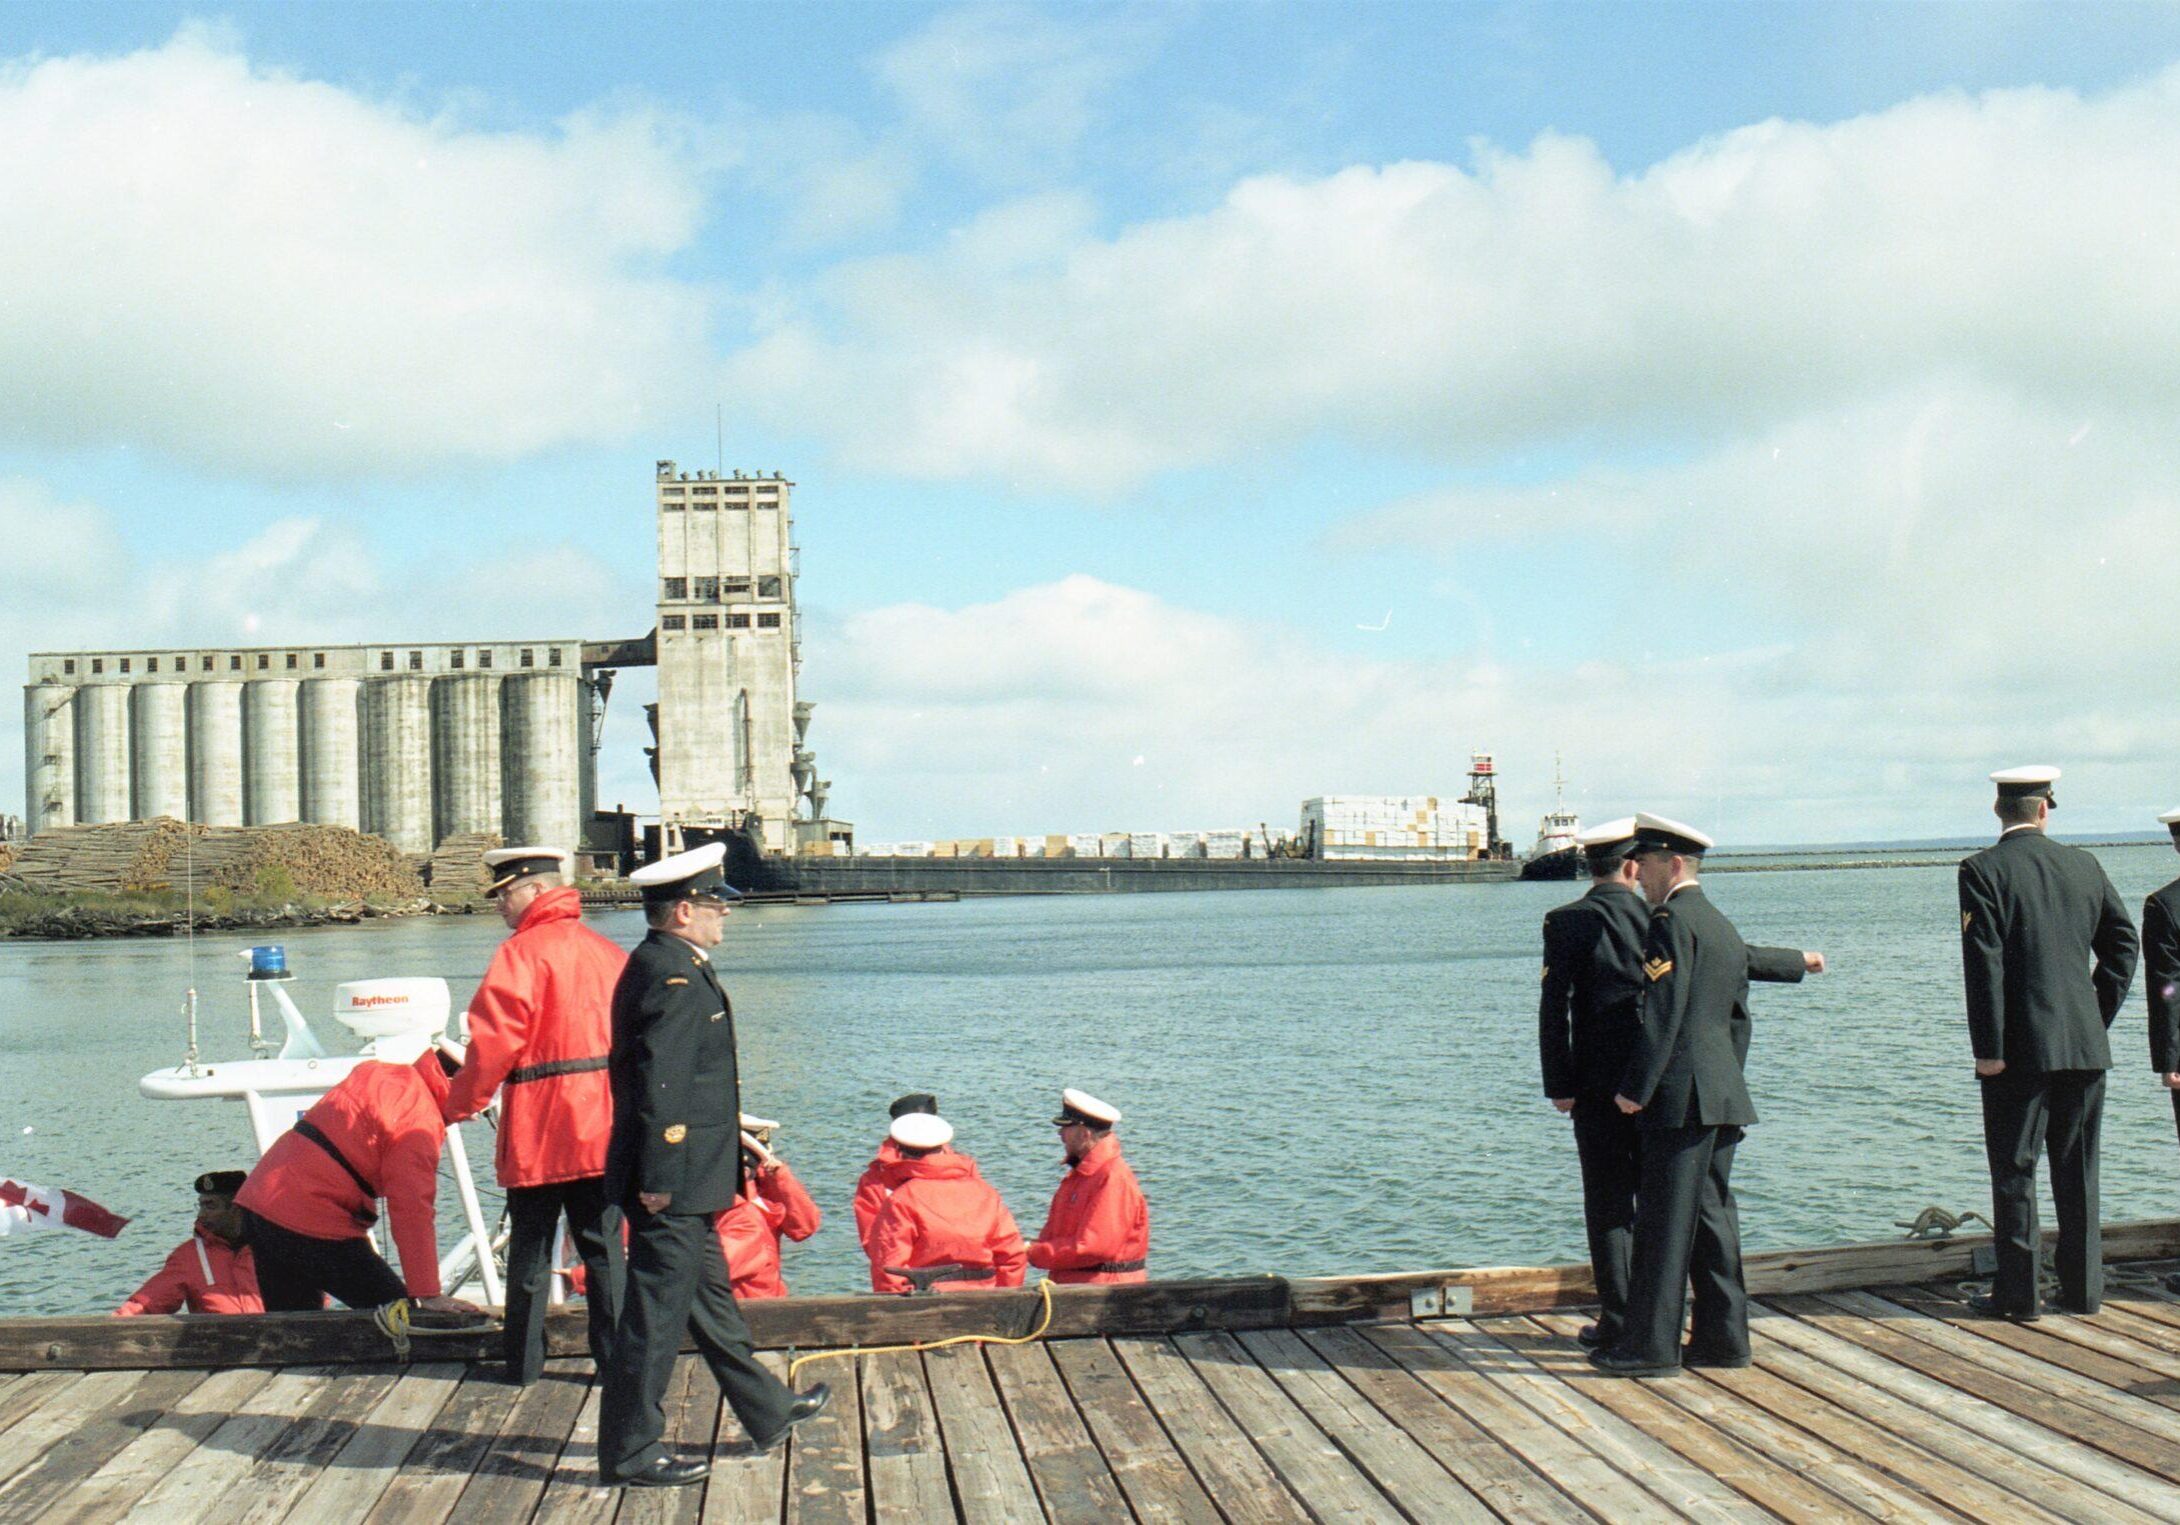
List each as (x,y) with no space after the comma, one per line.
(1593,1336)
(1984,1305)
(664,1472)
(1620,1363)
(806,1406)
(1716,1360)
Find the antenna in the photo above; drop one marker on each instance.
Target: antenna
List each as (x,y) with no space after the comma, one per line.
(1559,787)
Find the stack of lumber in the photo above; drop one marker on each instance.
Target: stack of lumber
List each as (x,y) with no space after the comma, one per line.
(7,855)
(455,871)
(165,854)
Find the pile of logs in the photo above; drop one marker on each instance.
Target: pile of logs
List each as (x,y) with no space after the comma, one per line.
(166,855)
(455,870)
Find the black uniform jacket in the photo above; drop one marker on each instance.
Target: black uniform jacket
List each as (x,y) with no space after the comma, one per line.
(677,1106)
(1593,982)
(2161,972)
(2033,914)
(1686,1066)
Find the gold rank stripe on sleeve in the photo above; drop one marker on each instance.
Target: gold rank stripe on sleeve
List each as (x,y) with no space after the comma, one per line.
(676,1133)
(1965,918)
(677,979)
(1658,968)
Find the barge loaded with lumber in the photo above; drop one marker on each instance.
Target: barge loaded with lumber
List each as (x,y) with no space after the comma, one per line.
(1441,1395)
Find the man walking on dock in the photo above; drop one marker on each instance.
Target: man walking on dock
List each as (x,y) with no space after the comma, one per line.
(673,1162)
(1684,1084)
(2034,917)
(1587,1022)
(539,1027)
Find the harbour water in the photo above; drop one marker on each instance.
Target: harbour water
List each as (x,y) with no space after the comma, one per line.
(1315,1082)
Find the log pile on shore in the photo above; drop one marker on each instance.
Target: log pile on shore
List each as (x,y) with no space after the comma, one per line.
(165,855)
(455,870)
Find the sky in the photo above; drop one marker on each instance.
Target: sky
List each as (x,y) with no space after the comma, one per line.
(1764,413)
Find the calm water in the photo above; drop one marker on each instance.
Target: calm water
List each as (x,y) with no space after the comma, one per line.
(1315,1082)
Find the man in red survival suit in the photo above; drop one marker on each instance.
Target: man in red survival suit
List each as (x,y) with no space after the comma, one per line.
(944,1213)
(213,1271)
(540,1029)
(309,1204)
(771,1206)
(1099,1229)
(883,1174)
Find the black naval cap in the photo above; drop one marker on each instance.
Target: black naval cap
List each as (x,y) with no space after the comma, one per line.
(510,865)
(914,1101)
(2027,784)
(220,1183)
(694,875)
(1655,833)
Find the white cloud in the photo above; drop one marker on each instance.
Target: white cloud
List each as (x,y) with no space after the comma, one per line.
(273,277)
(1010,91)
(2023,240)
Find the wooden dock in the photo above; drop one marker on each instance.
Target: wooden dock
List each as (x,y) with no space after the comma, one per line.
(1886,1401)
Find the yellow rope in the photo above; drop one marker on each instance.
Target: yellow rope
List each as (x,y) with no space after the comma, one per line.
(1044,1288)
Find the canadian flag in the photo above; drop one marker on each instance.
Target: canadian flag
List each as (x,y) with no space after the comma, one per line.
(24,1208)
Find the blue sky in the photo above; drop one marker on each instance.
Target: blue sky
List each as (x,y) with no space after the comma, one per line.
(1762,406)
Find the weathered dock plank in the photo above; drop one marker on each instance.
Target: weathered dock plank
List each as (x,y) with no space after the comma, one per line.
(1150,1470)
(439,1466)
(746,1487)
(991,1481)
(825,1456)
(1222,1454)
(113,1489)
(901,1445)
(46,1476)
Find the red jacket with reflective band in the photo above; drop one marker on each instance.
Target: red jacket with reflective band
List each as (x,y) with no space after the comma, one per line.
(878,1181)
(384,1119)
(772,1206)
(1098,1217)
(546,999)
(944,1211)
(205,1274)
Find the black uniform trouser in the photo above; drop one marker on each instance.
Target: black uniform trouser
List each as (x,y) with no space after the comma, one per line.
(533,1214)
(677,1283)
(2024,1114)
(295,1271)
(1687,1227)
(1609,1143)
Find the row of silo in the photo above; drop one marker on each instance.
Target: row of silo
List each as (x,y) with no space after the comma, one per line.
(411,758)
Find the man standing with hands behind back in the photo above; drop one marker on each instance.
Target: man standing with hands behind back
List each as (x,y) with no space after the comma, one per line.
(2034,917)
(674,1160)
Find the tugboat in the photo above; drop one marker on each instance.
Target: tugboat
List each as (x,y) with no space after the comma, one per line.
(1555,856)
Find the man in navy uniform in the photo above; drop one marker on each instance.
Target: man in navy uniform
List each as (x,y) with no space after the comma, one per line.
(2161,973)
(2034,915)
(674,1159)
(1684,1085)
(1586,1026)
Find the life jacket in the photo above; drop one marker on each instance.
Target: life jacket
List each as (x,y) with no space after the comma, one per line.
(540,1031)
(1099,1227)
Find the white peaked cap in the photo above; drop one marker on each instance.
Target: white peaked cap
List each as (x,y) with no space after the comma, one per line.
(920,1130)
(680,866)
(2026,776)
(1088,1107)
(759,1124)
(1607,834)
(2169,818)
(499,855)
(1670,833)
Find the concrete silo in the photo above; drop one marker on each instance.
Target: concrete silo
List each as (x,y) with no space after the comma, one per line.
(215,752)
(542,717)
(49,755)
(271,775)
(397,762)
(332,755)
(102,752)
(159,749)
(465,734)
